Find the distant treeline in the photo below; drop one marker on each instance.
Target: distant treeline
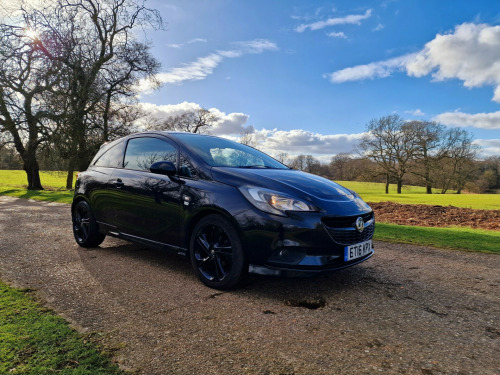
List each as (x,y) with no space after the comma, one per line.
(484,176)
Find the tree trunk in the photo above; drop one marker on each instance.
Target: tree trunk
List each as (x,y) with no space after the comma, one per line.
(69,176)
(428,188)
(400,185)
(33,173)
(387,184)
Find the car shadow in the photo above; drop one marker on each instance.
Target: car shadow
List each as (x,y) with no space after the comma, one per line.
(311,292)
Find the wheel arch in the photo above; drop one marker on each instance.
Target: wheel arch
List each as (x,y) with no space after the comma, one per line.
(76,200)
(200,215)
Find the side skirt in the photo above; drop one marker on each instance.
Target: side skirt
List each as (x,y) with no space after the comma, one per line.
(111,231)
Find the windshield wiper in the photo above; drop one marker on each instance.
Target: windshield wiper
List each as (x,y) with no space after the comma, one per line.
(255,166)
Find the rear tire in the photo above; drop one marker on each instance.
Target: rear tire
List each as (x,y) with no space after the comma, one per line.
(216,253)
(85,227)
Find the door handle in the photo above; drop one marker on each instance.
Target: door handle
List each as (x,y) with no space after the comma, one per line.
(118,183)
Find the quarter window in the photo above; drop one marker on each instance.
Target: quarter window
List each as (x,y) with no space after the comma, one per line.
(142,152)
(111,158)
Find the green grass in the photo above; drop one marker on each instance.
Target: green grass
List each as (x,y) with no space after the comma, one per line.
(56,179)
(35,341)
(448,238)
(14,183)
(375,192)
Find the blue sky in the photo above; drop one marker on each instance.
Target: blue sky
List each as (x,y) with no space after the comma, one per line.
(306,77)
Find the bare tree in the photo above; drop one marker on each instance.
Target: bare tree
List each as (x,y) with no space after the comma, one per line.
(196,121)
(431,148)
(248,138)
(283,158)
(102,59)
(338,165)
(306,163)
(392,144)
(457,167)
(26,81)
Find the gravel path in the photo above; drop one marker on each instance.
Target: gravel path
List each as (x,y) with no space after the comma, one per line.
(408,310)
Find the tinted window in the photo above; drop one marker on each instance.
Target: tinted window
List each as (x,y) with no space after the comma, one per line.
(111,158)
(142,152)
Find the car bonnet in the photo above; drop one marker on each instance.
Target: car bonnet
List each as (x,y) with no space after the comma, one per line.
(324,193)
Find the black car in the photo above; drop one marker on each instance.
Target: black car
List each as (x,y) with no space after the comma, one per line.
(226,206)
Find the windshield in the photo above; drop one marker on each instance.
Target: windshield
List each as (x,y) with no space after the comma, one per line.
(220,152)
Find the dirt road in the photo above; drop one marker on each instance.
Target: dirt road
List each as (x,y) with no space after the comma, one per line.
(408,310)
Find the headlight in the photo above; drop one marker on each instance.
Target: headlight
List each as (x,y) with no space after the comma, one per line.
(274,202)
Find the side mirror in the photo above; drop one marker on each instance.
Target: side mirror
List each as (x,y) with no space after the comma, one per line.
(166,168)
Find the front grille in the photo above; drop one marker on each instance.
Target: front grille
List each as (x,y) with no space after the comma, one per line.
(343,231)
(345,221)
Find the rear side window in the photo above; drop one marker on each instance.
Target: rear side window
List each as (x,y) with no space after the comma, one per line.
(142,152)
(111,158)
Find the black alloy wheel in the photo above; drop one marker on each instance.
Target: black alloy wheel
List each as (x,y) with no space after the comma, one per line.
(216,253)
(85,228)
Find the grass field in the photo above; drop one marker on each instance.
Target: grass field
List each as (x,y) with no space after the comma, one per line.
(375,192)
(446,238)
(35,341)
(14,183)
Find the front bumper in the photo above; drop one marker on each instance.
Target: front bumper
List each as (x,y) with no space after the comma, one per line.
(302,243)
(304,271)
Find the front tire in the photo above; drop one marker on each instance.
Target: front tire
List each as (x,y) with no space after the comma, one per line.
(217,254)
(85,227)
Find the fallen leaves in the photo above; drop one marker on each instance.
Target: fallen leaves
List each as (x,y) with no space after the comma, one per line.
(436,216)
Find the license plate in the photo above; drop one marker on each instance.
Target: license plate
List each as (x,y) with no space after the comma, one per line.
(357,251)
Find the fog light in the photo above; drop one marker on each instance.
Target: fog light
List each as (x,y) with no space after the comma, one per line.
(290,256)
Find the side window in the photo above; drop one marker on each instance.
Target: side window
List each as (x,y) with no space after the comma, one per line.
(111,158)
(142,152)
(186,169)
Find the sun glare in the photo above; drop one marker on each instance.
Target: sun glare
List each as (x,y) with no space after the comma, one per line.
(30,33)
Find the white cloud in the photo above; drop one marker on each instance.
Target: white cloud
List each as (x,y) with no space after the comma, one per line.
(378,27)
(196,40)
(204,66)
(416,112)
(180,45)
(471,53)
(230,124)
(350,19)
(298,141)
(379,69)
(339,34)
(272,141)
(195,70)
(226,124)
(489,147)
(479,120)
(256,46)
(162,112)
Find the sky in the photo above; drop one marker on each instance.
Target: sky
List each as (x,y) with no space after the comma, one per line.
(305,77)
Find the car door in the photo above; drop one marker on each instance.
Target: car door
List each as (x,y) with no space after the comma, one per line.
(97,179)
(147,205)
